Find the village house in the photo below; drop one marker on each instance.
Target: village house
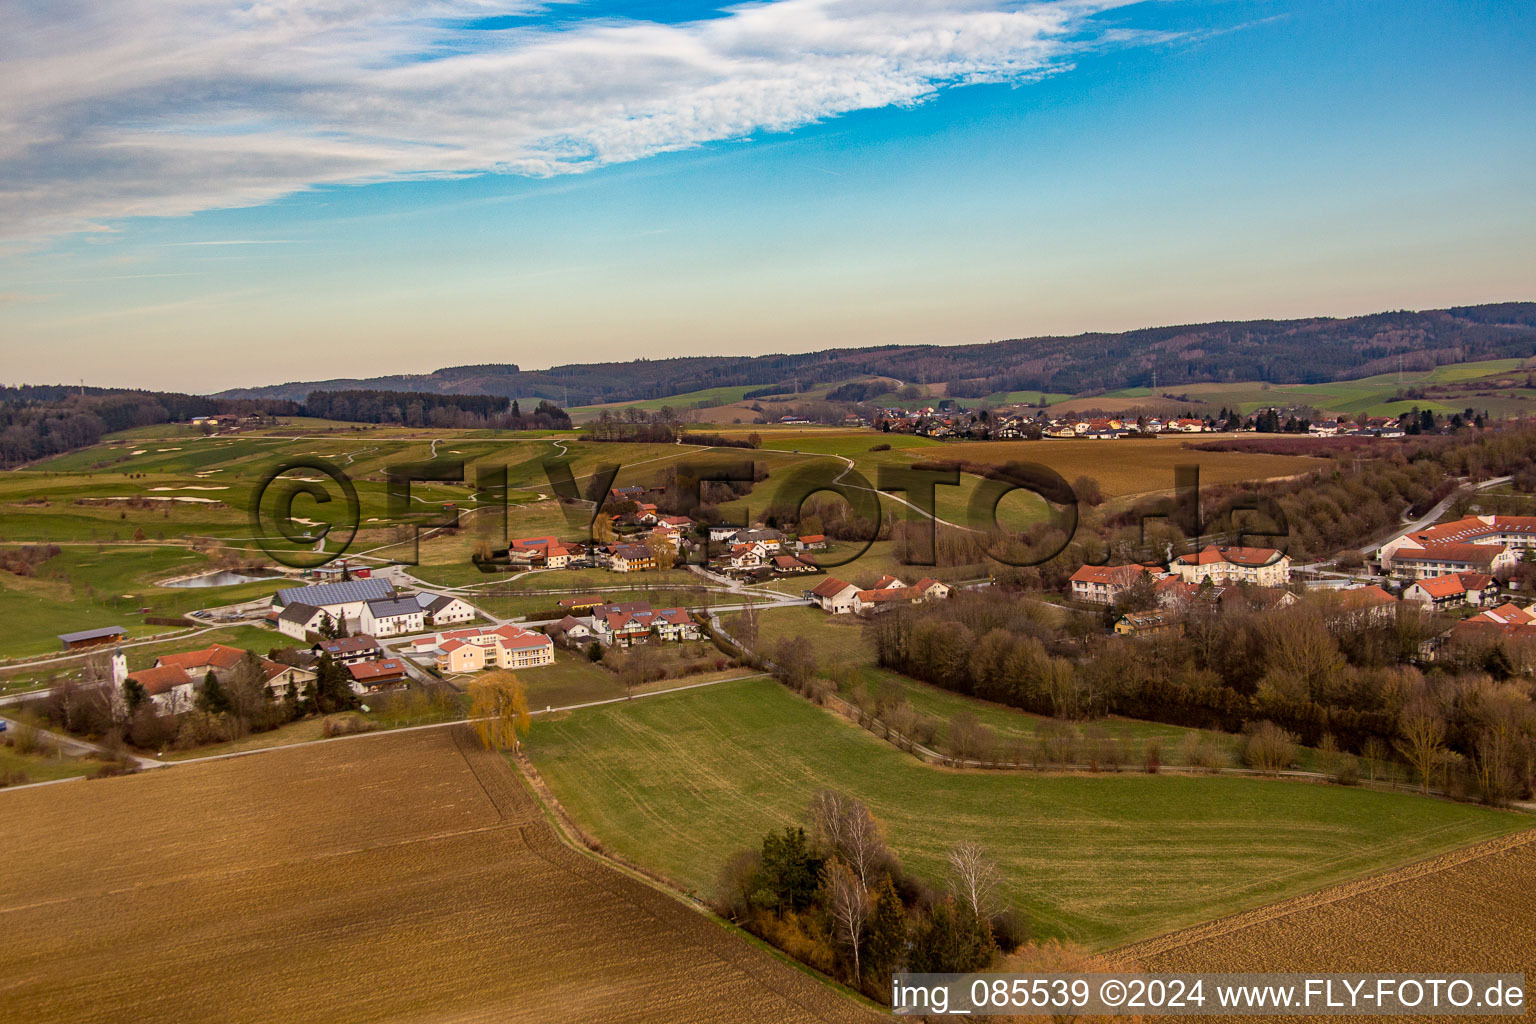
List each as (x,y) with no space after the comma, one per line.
(301,621)
(505,647)
(748,556)
(350,650)
(892,593)
(444,609)
(170,687)
(1452,590)
(1103,584)
(789,565)
(629,627)
(572,631)
(541,552)
(1367,604)
(1263,567)
(378,676)
(811,542)
(281,680)
(1140,624)
(394,616)
(630,558)
(218,659)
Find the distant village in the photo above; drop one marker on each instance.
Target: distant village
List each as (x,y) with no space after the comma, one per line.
(948,419)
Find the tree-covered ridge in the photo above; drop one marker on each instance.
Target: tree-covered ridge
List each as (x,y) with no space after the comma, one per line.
(1301,351)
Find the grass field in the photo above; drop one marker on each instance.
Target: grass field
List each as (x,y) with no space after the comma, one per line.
(680,782)
(1469,911)
(1133,467)
(85,587)
(387,878)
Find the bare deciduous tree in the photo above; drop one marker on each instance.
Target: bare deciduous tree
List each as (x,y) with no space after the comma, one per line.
(973,878)
(1421,735)
(847,901)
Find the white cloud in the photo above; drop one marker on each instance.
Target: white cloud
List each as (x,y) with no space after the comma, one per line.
(167,107)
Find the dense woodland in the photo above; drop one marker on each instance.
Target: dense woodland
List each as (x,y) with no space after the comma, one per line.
(40,421)
(414,409)
(1280,351)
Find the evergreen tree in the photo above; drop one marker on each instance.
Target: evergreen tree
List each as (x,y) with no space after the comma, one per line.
(951,941)
(333,687)
(134,694)
(790,873)
(212,697)
(886,938)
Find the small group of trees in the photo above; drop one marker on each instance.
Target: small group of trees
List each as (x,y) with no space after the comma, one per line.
(834,896)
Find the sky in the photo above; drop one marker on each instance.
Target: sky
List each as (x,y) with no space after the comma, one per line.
(202,194)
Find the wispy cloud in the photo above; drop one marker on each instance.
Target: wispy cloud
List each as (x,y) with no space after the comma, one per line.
(169,107)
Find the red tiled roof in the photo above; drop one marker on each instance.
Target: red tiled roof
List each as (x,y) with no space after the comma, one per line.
(373,671)
(830,587)
(218,655)
(1439,587)
(1473,527)
(1118,575)
(1472,554)
(1366,597)
(160,680)
(1212,554)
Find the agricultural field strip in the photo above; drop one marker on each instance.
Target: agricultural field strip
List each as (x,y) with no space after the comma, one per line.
(675,942)
(1344,892)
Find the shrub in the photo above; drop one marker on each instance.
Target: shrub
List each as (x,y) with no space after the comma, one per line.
(348,723)
(1269,748)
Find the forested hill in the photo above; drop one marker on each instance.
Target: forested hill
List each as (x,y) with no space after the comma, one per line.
(1279,351)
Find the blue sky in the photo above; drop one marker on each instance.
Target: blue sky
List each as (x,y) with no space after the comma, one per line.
(228,195)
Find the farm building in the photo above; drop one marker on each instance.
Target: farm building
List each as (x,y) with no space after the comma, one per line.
(833,595)
(341,600)
(92,637)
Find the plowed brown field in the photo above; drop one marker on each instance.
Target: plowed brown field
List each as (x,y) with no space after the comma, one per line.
(1469,911)
(393,878)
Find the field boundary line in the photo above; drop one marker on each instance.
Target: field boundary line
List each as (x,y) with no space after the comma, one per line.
(569,834)
(1336,893)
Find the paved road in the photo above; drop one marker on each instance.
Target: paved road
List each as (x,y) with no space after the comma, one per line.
(78,747)
(1427,519)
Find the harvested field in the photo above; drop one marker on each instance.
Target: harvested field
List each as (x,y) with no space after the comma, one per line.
(1132,467)
(393,878)
(1472,910)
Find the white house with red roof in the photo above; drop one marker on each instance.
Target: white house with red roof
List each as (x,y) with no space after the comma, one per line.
(541,552)
(1102,584)
(1262,567)
(628,627)
(471,650)
(1452,589)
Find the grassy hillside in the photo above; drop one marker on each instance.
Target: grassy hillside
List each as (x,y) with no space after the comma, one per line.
(680,782)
